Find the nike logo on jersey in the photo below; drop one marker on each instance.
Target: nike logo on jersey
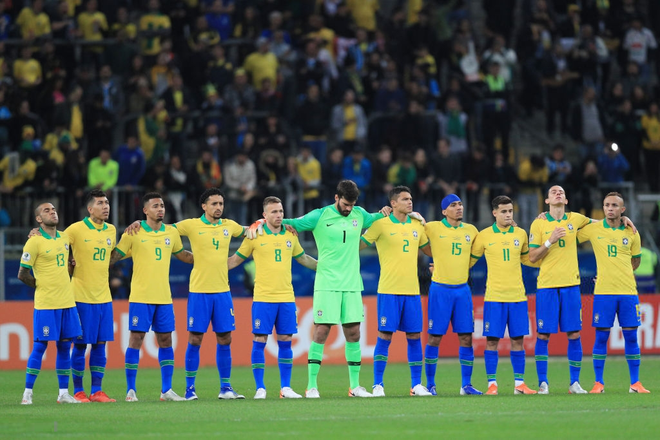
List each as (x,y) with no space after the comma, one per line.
(329,224)
(490,244)
(48,250)
(143,241)
(87,240)
(600,238)
(264,244)
(202,233)
(443,236)
(392,233)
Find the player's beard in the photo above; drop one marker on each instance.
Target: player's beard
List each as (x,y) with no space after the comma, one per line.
(51,223)
(344,212)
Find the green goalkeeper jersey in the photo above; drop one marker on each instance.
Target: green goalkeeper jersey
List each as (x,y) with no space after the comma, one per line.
(338,242)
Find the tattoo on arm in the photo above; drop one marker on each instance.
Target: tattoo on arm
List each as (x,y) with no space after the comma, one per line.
(186,257)
(115,256)
(25,276)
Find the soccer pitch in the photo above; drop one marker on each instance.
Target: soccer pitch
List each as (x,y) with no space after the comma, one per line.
(615,414)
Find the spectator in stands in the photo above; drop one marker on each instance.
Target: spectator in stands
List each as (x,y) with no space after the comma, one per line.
(421,33)
(136,73)
(496,111)
(179,103)
(503,178)
(102,172)
(99,123)
(651,146)
(18,169)
(207,172)
(110,88)
(241,182)
(476,170)
(639,100)
(153,26)
(348,122)
(239,93)
(176,181)
(556,83)
(138,100)
(310,69)
(452,125)
(505,57)
(312,119)
(570,27)
(612,165)
(533,176)
(53,141)
(269,100)
(587,51)
(132,163)
(152,132)
(52,66)
(27,73)
(248,26)
(25,117)
(275,20)
(332,173)
(123,25)
(423,187)
(271,170)
(358,169)
(403,171)
(413,127)
(447,166)
(359,50)
(380,185)
(219,17)
(587,124)
(309,169)
(390,97)
(220,71)
(203,37)
(364,13)
(261,64)
(626,130)
(272,134)
(33,21)
(559,169)
(161,74)
(637,42)
(92,25)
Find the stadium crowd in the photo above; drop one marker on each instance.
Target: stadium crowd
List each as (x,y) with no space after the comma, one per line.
(275,97)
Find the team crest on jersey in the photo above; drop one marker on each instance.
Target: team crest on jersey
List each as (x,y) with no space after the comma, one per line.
(430,323)
(288,244)
(487,326)
(570,226)
(540,323)
(596,318)
(66,246)
(319,313)
(191,320)
(516,242)
(467,238)
(355,223)
(79,337)
(531,237)
(415,234)
(167,242)
(225,232)
(134,321)
(625,242)
(46,330)
(26,256)
(109,242)
(257,323)
(383,321)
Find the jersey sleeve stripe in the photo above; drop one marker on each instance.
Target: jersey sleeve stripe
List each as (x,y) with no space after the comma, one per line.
(634,256)
(524,253)
(366,241)
(243,256)
(474,256)
(299,255)
(425,244)
(26,266)
(120,252)
(534,245)
(179,251)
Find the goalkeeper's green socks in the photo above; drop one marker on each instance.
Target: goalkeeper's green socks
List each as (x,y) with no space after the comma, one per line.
(314,358)
(354,360)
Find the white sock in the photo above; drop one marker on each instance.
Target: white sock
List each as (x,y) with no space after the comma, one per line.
(519,382)
(28,390)
(492,382)
(63,391)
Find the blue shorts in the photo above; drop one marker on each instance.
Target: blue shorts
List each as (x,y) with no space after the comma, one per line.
(399,312)
(500,315)
(56,324)
(559,308)
(284,316)
(97,323)
(450,303)
(158,317)
(624,307)
(216,308)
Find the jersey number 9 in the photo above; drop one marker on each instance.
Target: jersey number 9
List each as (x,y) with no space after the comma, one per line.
(159,254)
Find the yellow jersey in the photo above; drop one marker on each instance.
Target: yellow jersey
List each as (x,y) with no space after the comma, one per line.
(33,25)
(48,258)
(559,267)
(25,173)
(151,252)
(504,251)
(310,171)
(261,66)
(397,244)
(92,246)
(364,12)
(91,25)
(272,255)
(451,247)
(152,22)
(27,70)
(210,244)
(614,248)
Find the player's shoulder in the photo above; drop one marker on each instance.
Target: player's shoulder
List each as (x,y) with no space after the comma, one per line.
(73,227)
(519,231)
(230,223)
(171,229)
(62,234)
(470,228)
(487,230)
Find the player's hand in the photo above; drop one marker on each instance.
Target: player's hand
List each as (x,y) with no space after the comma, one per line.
(291,229)
(513,223)
(626,222)
(386,210)
(557,234)
(72,262)
(417,216)
(255,229)
(431,267)
(541,216)
(34,233)
(133,228)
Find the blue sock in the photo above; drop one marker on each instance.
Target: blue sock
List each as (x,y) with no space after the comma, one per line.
(63,363)
(223,361)
(97,361)
(518,363)
(131,361)
(258,363)
(285,362)
(430,364)
(415,361)
(166,361)
(466,358)
(380,359)
(574,359)
(600,354)
(78,366)
(491,357)
(633,355)
(541,357)
(34,363)
(192,364)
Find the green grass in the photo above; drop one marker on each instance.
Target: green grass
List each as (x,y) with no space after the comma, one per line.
(616,414)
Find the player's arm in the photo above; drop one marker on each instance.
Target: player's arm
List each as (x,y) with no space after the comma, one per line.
(636,261)
(26,277)
(72,261)
(307,261)
(123,248)
(242,254)
(305,223)
(477,250)
(369,219)
(185,256)
(235,261)
(636,251)
(425,245)
(536,252)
